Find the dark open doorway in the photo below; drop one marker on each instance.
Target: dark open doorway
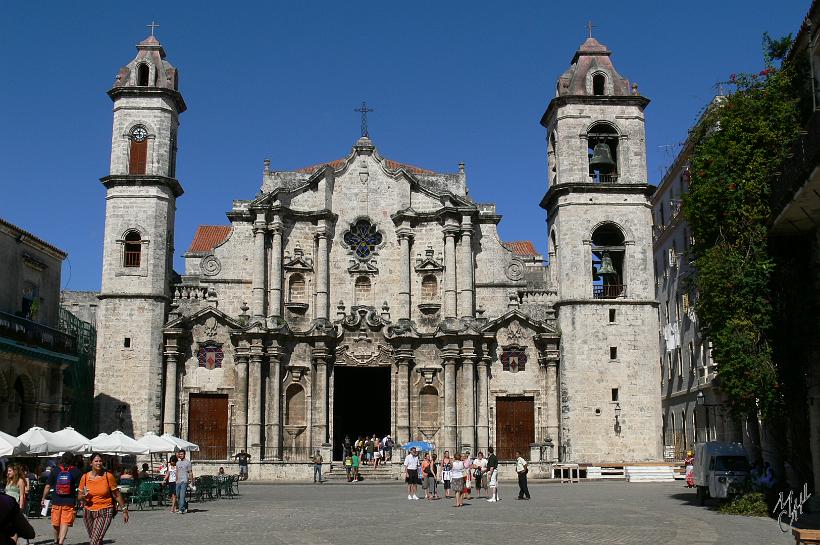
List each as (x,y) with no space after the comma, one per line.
(361,404)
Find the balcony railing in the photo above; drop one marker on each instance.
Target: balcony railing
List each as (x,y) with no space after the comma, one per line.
(132,259)
(796,169)
(608,291)
(36,335)
(603,178)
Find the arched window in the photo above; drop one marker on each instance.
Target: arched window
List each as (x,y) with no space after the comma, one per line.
(138,157)
(143,73)
(295,408)
(428,407)
(363,290)
(429,288)
(296,289)
(598,84)
(133,249)
(602,151)
(608,251)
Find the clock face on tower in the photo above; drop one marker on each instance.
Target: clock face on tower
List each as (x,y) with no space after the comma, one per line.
(139,133)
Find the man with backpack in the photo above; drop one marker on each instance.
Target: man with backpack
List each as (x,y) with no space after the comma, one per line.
(63,482)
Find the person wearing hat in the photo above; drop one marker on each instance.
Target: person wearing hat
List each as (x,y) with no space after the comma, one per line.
(689,462)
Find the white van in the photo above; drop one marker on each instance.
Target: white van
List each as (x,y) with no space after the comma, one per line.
(721,469)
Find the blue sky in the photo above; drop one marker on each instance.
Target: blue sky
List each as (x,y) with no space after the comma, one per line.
(450,81)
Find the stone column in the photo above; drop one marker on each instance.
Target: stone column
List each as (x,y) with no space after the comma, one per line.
(273,401)
(258,299)
(403,400)
(466,271)
(450,298)
(255,402)
(450,422)
(275,294)
(552,400)
(466,417)
(169,423)
(322,271)
(319,398)
(405,236)
(482,404)
(241,401)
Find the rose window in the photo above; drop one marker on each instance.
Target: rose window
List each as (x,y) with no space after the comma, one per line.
(362,238)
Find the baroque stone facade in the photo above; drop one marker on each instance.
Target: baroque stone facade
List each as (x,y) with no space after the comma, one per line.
(364,295)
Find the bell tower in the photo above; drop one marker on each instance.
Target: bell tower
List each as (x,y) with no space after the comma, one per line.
(600,246)
(141,193)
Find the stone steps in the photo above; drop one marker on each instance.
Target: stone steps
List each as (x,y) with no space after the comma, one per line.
(386,472)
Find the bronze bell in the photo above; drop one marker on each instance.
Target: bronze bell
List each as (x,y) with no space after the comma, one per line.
(601,159)
(606,265)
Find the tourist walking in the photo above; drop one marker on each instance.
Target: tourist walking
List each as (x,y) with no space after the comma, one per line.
(242,458)
(492,473)
(99,491)
(13,521)
(317,467)
(468,475)
(387,444)
(457,479)
(171,482)
(522,470)
(16,484)
(185,473)
(445,473)
(64,481)
(411,473)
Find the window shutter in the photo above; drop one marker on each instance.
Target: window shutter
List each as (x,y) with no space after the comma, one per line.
(139,156)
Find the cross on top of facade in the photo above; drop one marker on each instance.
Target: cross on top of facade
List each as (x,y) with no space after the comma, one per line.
(590,26)
(152,26)
(363,110)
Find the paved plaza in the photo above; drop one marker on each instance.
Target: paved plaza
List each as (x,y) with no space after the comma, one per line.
(340,513)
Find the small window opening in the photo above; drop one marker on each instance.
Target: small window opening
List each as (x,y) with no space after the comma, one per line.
(133,249)
(608,250)
(614,394)
(611,315)
(598,84)
(597,412)
(613,352)
(602,152)
(127,342)
(143,72)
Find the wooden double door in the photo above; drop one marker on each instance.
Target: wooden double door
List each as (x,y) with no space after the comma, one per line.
(515,426)
(208,425)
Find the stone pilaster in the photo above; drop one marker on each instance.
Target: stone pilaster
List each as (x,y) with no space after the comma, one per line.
(450,412)
(273,404)
(255,400)
(466,416)
(319,398)
(275,293)
(450,298)
(322,270)
(403,399)
(466,271)
(241,400)
(482,404)
(258,281)
(552,397)
(169,422)
(405,238)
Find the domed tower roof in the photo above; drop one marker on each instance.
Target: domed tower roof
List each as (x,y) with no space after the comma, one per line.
(149,71)
(592,59)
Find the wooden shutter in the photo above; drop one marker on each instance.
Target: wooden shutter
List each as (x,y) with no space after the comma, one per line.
(139,157)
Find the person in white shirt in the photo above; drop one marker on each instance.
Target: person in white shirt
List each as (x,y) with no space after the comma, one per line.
(411,473)
(480,474)
(522,469)
(457,477)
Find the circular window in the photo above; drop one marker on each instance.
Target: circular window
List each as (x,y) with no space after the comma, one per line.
(139,133)
(362,238)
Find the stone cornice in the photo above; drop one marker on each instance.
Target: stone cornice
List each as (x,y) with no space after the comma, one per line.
(563,189)
(593,100)
(142,181)
(175,96)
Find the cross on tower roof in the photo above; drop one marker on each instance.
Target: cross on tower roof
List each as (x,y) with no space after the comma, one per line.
(363,110)
(152,26)
(590,26)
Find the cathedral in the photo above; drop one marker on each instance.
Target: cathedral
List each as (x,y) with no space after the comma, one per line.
(364,295)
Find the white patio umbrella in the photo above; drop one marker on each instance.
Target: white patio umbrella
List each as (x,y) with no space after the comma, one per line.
(181,444)
(156,444)
(117,443)
(10,445)
(41,441)
(76,440)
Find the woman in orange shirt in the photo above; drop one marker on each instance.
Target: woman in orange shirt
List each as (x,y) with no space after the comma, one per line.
(98,489)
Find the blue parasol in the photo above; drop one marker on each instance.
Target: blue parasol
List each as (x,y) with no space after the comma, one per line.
(423,446)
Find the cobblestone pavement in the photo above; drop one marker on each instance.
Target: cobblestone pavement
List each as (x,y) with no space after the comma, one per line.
(602,513)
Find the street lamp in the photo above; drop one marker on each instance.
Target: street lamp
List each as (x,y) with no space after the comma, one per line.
(617,419)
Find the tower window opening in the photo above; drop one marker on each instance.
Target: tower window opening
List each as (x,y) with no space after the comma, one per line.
(611,315)
(143,73)
(602,152)
(608,251)
(613,352)
(133,249)
(598,84)
(126,342)
(615,394)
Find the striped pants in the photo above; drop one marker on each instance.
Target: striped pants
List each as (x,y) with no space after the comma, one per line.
(97,523)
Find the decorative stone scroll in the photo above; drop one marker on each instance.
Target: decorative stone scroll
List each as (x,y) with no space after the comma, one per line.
(210,265)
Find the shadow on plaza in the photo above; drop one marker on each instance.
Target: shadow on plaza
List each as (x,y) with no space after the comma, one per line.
(691,498)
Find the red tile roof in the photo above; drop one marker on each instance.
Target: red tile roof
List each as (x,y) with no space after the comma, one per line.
(208,237)
(392,165)
(521,247)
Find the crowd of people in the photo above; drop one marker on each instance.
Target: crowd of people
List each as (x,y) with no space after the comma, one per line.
(367,450)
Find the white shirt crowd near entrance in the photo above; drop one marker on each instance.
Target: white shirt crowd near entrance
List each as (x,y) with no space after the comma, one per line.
(411,463)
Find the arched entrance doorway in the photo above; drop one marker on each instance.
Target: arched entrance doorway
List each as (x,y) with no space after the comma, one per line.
(361,404)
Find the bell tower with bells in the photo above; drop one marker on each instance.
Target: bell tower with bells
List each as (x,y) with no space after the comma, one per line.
(600,246)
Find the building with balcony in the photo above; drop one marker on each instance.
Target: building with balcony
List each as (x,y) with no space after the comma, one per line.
(34,353)
(694,408)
